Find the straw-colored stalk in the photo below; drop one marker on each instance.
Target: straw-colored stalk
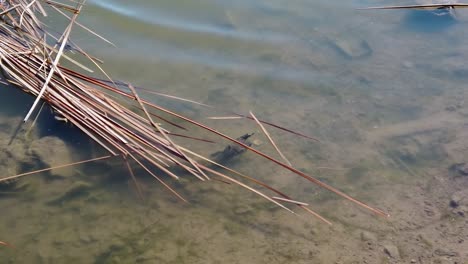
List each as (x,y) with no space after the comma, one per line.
(5,244)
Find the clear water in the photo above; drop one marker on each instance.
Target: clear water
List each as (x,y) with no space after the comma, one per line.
(383,91)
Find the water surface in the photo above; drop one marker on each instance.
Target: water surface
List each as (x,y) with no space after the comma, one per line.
(383,91)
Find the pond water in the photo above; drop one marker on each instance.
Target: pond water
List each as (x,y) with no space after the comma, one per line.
(382,90)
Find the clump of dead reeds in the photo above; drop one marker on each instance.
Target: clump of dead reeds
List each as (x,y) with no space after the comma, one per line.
(31,63)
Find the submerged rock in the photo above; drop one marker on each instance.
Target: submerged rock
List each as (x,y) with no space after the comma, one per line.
(13,150)
(78,189)
(368,236)
(457,198)
(12,187)
(13,156)
(351,47)
(461,210)
(391,250)
(445,253)
(459,203)
(459,168)
(52,151)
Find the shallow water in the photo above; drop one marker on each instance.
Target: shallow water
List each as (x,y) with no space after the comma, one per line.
(383,91)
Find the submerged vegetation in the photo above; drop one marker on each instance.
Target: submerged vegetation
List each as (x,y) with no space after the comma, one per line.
(113,114)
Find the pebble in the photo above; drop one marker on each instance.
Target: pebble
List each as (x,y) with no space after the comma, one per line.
(116,244)
(85,238)
(456,199)
(408,64)
(461,211)
(446,253)
(450,108)
(463,169)
(368,236)
(242,209)
(460,168)
(351,47)
(148,255)
(459,203)
(391,250)
(257,142)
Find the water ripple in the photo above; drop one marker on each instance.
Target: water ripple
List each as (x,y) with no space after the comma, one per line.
(156,18)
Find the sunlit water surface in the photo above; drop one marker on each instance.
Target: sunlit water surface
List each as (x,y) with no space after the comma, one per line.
(381,90)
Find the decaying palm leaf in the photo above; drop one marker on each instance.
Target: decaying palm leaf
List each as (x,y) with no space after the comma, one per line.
(32,64)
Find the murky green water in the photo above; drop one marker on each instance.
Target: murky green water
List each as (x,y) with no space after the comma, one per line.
(383,91)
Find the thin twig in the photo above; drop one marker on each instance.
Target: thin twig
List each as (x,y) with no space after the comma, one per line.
(270,139)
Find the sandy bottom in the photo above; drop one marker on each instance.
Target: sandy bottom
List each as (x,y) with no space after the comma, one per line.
(391,121)
(93,214)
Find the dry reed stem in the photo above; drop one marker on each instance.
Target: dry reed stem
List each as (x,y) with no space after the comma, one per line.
(428,6)
(5,244)
(53,168)
(234,115)
(289,201)
(251,179)
(134,179)
(270,139)
(57,57)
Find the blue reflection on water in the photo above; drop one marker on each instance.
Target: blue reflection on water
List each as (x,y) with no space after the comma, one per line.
(429,21)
